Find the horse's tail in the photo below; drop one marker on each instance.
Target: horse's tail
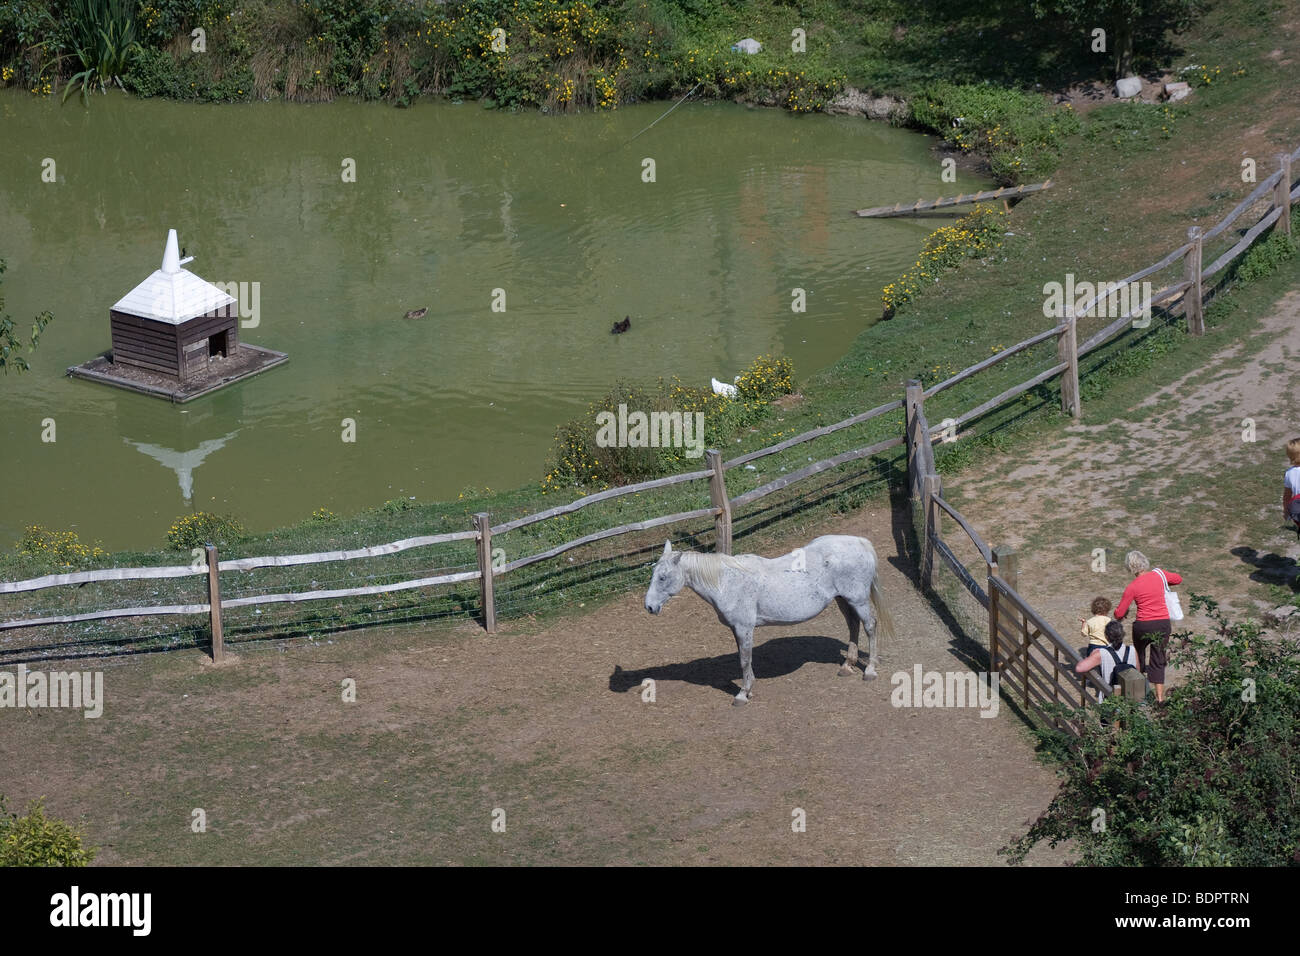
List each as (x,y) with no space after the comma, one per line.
(883,619)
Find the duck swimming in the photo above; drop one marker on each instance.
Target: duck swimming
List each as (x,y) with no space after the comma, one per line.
(621,327)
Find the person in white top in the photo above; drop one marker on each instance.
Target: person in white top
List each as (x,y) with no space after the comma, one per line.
(1104,658)
(1291,484)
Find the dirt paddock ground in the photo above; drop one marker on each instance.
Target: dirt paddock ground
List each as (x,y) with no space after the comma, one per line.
(550,727)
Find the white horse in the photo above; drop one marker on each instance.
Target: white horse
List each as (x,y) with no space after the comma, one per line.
(749,591)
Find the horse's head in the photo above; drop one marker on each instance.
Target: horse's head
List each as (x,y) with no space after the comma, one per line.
(668,579)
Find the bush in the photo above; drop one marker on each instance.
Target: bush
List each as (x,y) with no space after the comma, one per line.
(57,548)
(974,233)
(1267,257)
(195,77)
(160,21)
(38,840)
(202,527)
(1207,780)
(1020,134)
(581,456)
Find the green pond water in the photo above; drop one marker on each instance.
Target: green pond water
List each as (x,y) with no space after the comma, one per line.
(450,203)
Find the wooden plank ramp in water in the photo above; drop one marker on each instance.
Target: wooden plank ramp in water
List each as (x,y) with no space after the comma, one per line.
(924,205)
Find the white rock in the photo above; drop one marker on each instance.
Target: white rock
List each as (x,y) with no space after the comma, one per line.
(1128,87)
(1280,615)
(747,45)
(1177,91)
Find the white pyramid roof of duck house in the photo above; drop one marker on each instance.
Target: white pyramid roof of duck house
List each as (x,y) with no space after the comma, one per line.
(172,294)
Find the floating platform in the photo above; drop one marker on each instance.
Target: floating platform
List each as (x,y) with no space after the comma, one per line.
(245,362)
(925,205)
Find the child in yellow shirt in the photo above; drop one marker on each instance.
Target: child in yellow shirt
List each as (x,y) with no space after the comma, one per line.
(1094,628)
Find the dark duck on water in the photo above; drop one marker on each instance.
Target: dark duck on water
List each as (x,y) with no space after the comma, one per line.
(621,327)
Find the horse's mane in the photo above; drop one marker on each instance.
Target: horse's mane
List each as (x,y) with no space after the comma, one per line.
(706,568)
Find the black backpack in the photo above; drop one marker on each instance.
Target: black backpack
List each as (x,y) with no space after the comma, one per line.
(1119,668)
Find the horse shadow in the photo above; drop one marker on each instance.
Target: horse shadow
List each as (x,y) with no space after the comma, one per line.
(772,658)
(1270,568)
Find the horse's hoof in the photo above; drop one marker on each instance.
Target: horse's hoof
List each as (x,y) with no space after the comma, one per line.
(739,701)
(869,674)
(846,670)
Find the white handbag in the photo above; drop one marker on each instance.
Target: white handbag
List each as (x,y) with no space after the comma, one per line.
(1171,599)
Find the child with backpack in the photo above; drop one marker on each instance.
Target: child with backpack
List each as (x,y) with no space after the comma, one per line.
(1114,657)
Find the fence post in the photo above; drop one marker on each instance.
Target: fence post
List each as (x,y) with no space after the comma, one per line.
(214,603)
(1192,273)
(486,598)
(1008,567)
(718,495)
(1282,195)
(914,397)
(1067,351)
(930,527)
(993,621)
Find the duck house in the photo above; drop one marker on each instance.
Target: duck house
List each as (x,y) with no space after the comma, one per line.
(174,322)
(176,335)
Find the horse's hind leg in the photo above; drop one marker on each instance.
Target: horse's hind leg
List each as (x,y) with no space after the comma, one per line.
(848,668)
(862,610)
(745,645)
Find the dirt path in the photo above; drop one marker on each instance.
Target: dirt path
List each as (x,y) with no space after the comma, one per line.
(551,727)
(1205,503)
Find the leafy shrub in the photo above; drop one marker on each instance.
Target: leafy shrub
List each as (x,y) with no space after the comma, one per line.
(160,21)
(1208,780)
(31,44)
(395,506)
(1266,257)
(195,77)
(203,527)
(980,230)
(57,548)
(10,345)
(580,456)
(1020,134)
(38,840)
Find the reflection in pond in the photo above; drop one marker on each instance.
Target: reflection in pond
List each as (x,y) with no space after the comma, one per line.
(183,462)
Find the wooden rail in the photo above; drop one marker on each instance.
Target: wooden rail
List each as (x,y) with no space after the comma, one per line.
(1000,597)
(943,202)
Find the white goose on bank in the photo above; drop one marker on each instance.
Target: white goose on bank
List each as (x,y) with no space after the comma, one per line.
(722,388)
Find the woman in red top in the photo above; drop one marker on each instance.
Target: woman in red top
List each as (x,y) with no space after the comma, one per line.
(1151,628)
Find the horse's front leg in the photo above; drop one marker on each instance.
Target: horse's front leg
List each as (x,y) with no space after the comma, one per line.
(745,645)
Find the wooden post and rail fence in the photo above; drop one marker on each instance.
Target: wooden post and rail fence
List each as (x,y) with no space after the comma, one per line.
(1035,662)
